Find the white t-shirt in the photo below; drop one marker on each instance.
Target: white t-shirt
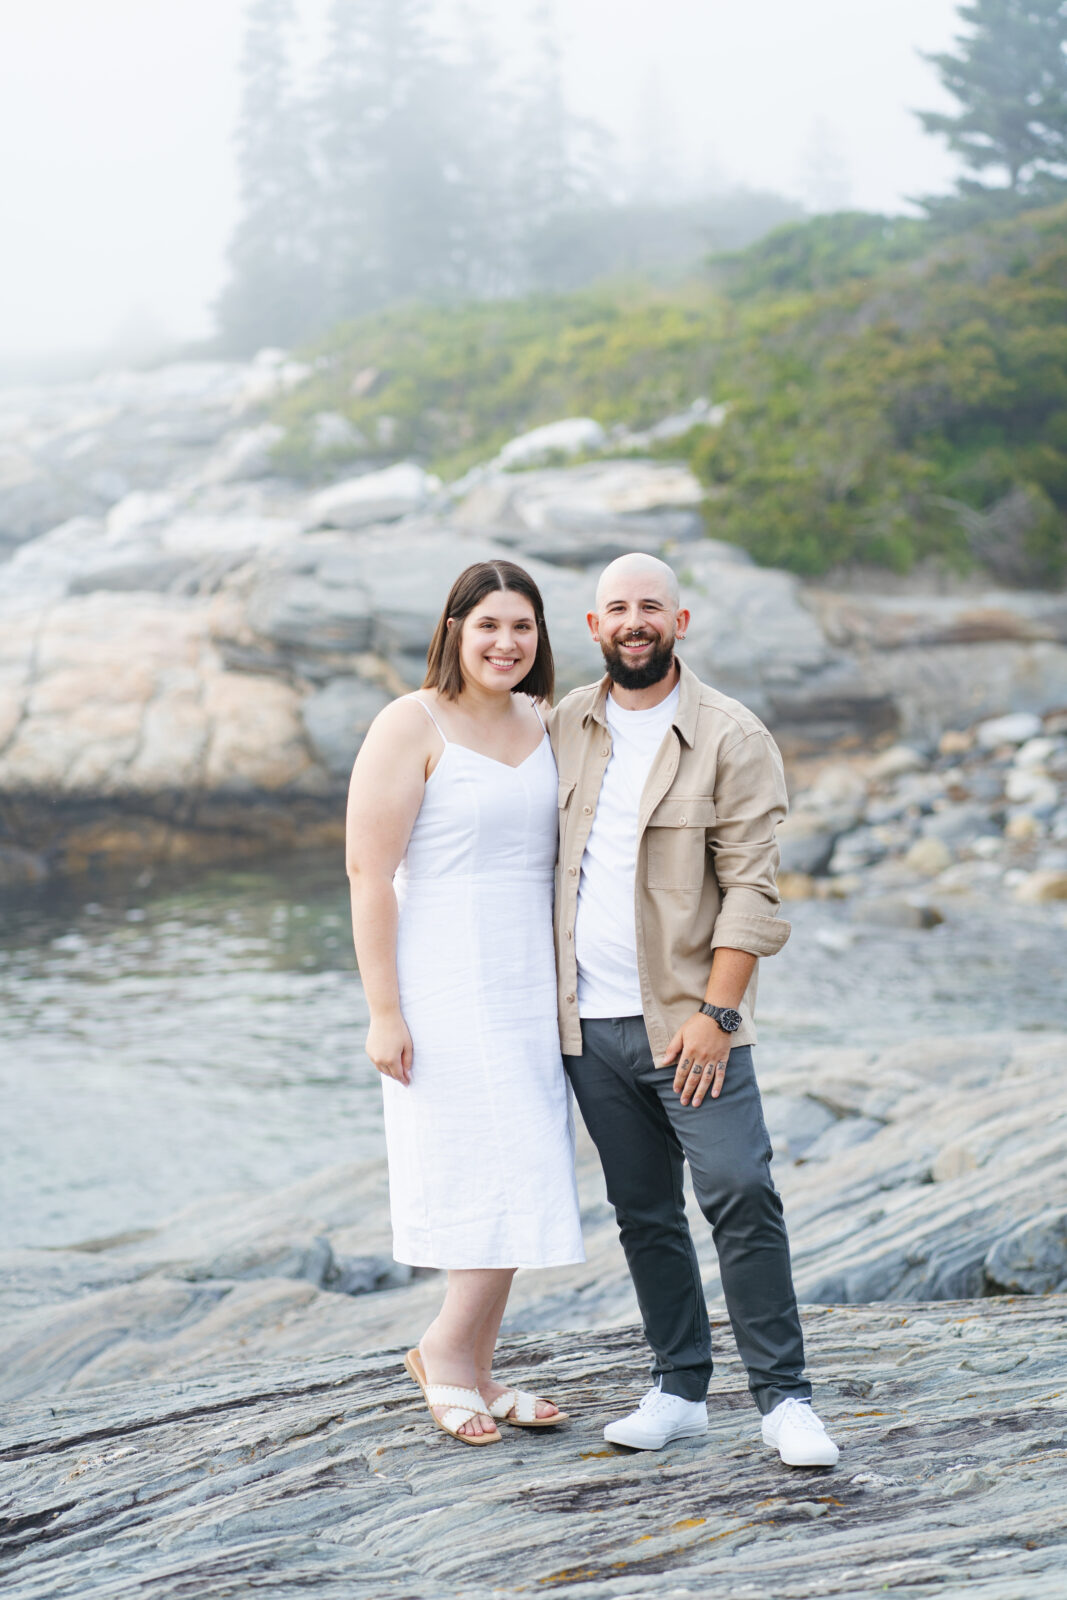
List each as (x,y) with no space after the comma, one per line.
(605,939)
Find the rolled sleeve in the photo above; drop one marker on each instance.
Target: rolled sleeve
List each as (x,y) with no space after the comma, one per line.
(750,802)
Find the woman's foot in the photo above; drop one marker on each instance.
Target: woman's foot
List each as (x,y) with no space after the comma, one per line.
(491,1390)
(442,1366)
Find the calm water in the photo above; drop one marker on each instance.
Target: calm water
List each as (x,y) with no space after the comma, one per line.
(179,1040)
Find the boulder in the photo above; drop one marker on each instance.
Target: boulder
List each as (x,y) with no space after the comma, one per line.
(305,613)
(895,762)
(248,453)
(805,844)
(331,433)
(1032,1258)
(958,825)
(375,497)
(1038,888)
(1016,728)
(928,857)
(890,911)
(571,436)
(338,716)
(589,514)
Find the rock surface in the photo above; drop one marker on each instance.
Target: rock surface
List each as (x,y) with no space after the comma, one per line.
(906,1175)
(209,605)
(324,1474)
(184,1410)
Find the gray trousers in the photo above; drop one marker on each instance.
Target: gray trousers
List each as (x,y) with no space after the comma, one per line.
(643,1133)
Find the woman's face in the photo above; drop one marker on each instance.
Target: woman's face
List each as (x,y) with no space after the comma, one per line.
(498,641)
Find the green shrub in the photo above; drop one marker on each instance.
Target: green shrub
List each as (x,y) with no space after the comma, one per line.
(893,393)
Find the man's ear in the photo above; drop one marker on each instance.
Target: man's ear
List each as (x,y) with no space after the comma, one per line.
(681,624)
(593,620)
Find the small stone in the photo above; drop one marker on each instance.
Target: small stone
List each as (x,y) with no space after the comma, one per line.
(796,885)
(896,761)
(892,912)
(954,1161)
(805,845)
(955,741)
(1044,885)
(958,825)
(928,857)
(1030,788)
(1036,752)
(1020,829)
(1015,728)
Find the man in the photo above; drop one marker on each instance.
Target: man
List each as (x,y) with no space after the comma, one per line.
(669,795)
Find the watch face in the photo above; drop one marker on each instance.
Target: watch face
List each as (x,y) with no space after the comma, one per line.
(730,1021)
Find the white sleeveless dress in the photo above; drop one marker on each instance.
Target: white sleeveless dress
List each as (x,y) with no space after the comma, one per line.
(481,1142)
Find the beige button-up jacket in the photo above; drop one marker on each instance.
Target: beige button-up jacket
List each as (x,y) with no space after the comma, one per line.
(706,854)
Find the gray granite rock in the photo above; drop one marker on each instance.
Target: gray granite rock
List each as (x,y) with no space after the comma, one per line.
(337,717)
(585,516)
(375,497)
(1033,1257)
(570,436)
(323,1474)
(306,613)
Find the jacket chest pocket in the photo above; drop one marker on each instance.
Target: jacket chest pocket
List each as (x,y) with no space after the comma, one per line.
(676,842)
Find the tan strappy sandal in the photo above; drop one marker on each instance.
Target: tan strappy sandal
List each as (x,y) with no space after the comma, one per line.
(520,1409)
(463,1404)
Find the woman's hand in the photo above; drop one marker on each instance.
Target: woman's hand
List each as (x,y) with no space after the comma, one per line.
(389,1046)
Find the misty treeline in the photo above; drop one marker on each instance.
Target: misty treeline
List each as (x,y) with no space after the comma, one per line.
(1008,75)
(407,166)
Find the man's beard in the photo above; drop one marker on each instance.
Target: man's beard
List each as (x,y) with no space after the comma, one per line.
(654,670)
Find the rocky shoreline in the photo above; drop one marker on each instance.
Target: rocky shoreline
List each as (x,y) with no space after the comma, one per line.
(184,1410)
(925,1171)
(321,1473)
(191,646)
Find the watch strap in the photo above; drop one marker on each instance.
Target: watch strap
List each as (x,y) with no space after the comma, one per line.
(723,1015)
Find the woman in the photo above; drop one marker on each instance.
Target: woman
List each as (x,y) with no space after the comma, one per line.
(452,821)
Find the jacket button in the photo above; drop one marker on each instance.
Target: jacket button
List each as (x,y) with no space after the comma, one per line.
(605,751)
(573,871)
(569,934)
(587,811)
(570,998)
(681,822)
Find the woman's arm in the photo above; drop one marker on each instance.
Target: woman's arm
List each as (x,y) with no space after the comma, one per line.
(384,797)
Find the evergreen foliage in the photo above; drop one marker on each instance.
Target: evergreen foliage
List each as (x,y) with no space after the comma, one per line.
(1009,75)
(892,395)
(408,168)
(271,256)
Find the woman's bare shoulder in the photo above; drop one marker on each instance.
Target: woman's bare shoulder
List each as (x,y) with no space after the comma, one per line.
(402,725)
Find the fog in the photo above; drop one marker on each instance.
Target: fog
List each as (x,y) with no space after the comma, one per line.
(117,121)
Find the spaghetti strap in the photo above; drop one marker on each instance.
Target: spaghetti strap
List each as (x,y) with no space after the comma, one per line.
(430,714)
(537,714)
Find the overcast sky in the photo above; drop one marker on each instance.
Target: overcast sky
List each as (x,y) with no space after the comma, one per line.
(117,116)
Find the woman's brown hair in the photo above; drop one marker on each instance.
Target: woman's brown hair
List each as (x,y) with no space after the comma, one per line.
(443,671)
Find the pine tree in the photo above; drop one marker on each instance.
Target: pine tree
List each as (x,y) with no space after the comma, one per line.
(272,296)
(558,161)
(385,220)
(479,136)
(1010,77)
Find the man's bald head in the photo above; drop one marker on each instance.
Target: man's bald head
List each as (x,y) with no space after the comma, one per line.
(621,573)
(637,620)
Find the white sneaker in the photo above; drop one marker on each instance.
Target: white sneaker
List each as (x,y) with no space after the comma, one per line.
(798,1435)
(659,1419)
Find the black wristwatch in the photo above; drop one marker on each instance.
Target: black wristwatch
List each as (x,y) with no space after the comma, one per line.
(729,1021)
